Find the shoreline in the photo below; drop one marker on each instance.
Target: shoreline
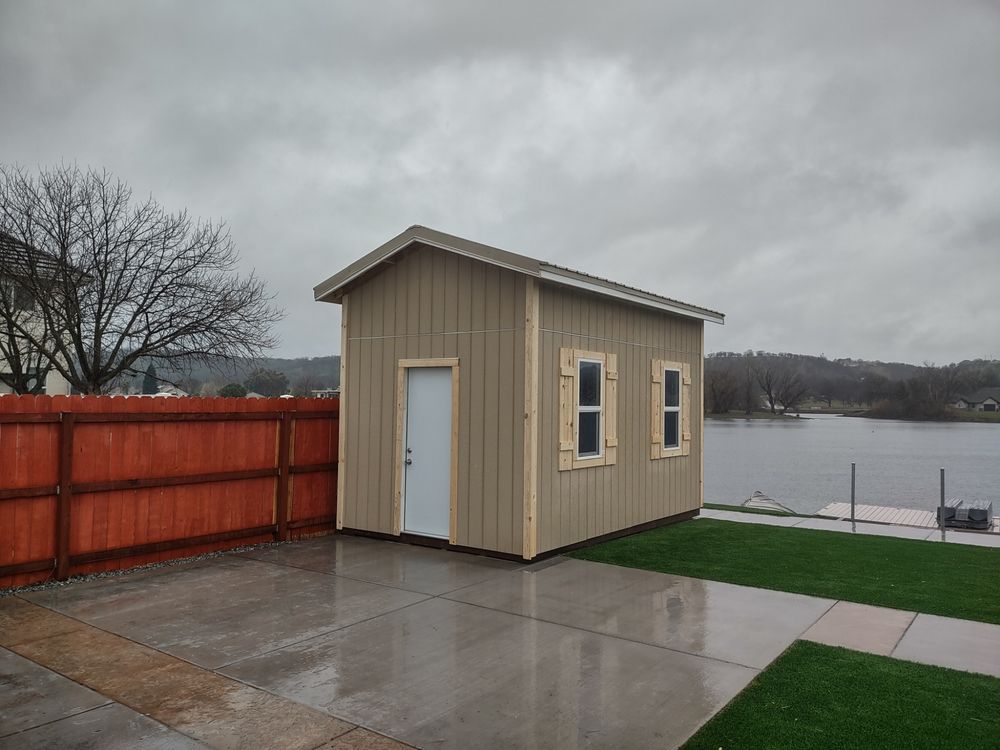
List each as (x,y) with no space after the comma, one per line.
(863,414)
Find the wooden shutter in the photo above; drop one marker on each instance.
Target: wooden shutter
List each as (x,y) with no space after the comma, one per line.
(611,408)
(656,449)
(567,409)
(656,409)
(686,410)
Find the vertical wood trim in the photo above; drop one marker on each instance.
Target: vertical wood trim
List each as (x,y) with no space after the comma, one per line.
(397,452)
(529,544)
(453,489)
(685,441)
(65,497)
(611,409)
(342,416)
(567,401)
(656,409)
(701,410)
(284,477)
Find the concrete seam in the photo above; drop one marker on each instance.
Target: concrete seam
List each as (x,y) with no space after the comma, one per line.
(67,716)
(906,630)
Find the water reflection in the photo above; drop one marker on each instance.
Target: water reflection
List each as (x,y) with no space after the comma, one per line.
(806,463)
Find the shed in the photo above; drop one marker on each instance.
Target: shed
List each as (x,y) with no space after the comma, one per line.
(497,403)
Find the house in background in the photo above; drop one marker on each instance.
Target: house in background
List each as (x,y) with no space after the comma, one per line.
(16,304)
(985,399)
(498,403)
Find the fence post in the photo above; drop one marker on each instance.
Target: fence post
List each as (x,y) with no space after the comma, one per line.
(65,496)
(284,477)
(853,467)
(941,509)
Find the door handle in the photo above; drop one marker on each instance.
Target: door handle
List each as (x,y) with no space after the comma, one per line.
(408,461)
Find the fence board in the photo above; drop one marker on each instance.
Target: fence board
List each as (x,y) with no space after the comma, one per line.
(148,479)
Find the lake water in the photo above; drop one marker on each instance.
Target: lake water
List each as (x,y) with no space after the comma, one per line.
(806,463)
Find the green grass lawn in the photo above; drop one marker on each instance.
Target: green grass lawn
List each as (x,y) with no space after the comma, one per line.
(952,580)
(817,696)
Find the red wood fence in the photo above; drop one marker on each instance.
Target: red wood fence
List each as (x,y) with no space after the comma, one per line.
(94,483)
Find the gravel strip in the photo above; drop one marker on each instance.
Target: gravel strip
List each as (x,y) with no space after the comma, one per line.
(128,571)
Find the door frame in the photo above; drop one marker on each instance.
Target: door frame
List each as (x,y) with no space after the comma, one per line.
(400,438)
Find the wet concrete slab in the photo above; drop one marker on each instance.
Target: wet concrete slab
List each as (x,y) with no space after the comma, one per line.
(405,566)
(22,622)
(224,610)
(957,644)
(112,727)
(31,695)
(211,708)
(451,675)
(744,625)
(861,627)
(362,739)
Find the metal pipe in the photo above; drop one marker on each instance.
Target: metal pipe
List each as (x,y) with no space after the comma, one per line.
(853,468)
(941,509)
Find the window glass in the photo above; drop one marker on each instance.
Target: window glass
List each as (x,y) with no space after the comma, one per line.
(671,388)
(590,383)
(589,437)
(670,429)
(671,408)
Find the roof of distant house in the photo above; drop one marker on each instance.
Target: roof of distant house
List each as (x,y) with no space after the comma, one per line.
(13,250)
(328,290)
(981,395)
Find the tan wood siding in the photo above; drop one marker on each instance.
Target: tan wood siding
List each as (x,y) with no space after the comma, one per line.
(429,303)
(583,503)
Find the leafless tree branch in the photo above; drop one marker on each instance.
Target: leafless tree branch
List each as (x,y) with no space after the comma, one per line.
(115,280)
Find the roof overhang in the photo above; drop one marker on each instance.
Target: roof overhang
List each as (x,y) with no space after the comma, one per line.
(333,288)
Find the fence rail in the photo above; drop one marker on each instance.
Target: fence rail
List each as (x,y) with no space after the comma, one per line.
(96,483)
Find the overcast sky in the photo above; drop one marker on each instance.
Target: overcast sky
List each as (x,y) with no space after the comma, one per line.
(825,173)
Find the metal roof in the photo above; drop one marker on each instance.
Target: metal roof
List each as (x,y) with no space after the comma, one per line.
(330,290)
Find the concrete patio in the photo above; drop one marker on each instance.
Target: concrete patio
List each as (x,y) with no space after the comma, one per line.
(345,642)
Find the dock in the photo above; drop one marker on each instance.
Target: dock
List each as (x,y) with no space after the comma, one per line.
(924,519)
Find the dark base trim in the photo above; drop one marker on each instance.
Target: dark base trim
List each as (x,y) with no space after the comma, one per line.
(427,541)
(638,528)
(424,541)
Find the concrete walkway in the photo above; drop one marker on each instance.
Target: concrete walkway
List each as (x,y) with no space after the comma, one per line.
(344,642)
(952,536)
(928,639)
(430,648)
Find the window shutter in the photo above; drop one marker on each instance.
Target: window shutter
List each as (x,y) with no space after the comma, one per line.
(611,408)
(686,411)
(656,409)
(567,409)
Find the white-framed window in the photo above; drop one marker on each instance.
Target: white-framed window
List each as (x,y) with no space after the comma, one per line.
(671,408)
(670,425)
(589,408)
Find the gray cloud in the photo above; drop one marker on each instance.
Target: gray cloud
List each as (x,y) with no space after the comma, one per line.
(825,173)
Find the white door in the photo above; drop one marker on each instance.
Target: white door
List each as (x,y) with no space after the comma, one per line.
(427,452)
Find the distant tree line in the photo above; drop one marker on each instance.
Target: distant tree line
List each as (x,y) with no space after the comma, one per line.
(782,382)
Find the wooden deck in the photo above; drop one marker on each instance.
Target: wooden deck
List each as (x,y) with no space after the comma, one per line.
(925,519)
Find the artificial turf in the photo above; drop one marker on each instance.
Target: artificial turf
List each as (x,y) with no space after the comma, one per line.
(952,580)
(817,696)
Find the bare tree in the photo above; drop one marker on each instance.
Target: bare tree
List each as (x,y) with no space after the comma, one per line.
(749,391)
(767,378)
(115,280)
(790,388)
(722,387)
